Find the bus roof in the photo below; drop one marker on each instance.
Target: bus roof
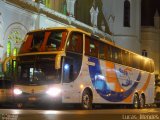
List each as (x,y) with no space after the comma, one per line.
(73,29)
(70,29)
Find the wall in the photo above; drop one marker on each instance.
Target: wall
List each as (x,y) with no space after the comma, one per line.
(151,43)
(16,23)
(127,37)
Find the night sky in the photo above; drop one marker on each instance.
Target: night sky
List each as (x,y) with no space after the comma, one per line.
(148,10)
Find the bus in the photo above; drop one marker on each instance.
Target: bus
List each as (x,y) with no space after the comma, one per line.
(68,65)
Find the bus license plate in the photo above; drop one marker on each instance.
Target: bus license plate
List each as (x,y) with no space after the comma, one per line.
(32,99)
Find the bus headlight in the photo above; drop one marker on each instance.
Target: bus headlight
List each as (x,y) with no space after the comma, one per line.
(53,91)
(17,91)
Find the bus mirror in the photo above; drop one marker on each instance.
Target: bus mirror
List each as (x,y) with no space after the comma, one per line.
(58,61)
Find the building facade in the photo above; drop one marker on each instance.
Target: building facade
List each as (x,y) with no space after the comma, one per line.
(124,19)
(151,41)
(119,21)
(150,32)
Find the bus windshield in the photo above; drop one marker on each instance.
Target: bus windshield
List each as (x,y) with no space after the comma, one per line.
(38,70)
(44,41)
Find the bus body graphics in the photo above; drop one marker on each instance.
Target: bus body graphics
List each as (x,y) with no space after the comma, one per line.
(73,66)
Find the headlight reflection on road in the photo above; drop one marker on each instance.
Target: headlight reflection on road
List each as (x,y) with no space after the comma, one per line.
(51,112)
(16,112)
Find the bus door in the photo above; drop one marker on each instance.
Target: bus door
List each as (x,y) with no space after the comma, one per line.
(67,80)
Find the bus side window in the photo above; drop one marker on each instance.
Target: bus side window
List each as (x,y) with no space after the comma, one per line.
(109,53)
(91,47)
(136,61)
(102,49)
(75,43)
(152,66)
(147,65)
(87,48)
(119,52)
(116,52)
(142,64)
(125,58)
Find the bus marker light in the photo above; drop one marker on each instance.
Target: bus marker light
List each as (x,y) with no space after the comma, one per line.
(122,90)
(81,86)
(66,66)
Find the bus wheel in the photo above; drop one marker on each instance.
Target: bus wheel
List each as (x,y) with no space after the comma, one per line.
(142,101)
(86,100)
(136,101)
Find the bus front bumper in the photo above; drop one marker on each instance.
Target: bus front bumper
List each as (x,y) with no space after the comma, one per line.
(37,98)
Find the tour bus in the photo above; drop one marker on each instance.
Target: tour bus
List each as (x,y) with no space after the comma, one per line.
(69,65)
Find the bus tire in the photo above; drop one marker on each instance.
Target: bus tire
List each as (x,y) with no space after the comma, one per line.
(87,100)
(136,104)
(142,101)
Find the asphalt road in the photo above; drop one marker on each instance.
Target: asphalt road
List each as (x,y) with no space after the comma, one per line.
(98,114)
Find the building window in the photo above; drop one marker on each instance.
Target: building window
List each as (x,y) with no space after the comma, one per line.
(144,53)
(64,8)
(47,3)
(14,62)
(15,51)
(76,9)
(126,21)
(9,67)
(8,49)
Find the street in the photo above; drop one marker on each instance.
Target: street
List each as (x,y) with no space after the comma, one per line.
(98,114)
